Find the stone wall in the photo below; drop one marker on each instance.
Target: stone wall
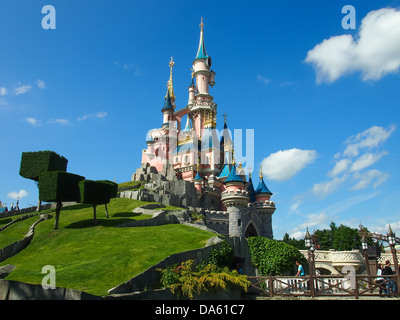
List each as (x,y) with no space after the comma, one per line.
(150,278)
(24,211)
(16,247)
(14,290)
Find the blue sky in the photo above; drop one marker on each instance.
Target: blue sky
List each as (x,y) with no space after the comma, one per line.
(323,101)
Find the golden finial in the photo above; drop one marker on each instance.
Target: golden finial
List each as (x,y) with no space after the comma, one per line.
(201,24)
(261,175)
(224,115)
(170,84)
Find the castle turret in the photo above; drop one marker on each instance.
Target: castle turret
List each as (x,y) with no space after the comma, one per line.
(265,207)
(235,198)
(202,109)
(262,192)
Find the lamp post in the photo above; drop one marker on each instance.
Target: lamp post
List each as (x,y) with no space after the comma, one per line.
(392,243)
(310,243)
(364,246)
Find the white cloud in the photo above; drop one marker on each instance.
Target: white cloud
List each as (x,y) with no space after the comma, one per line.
(366,160)
(22,89)
(99,115)
(365,179)
(63,122)
(368,139)
(263,79)
(17,194)
(340,166)
(33,121)
(313,220)
(41,84)
(3,91)
(374,51)
(324,188)
(283,165)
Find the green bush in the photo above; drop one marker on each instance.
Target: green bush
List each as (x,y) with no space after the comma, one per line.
(94,192)
(59,186)
(273,257)
(113,186)
(223,256)
(183,280)
(33,164)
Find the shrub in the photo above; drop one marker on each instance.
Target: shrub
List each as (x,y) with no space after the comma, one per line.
(223,256)
(113,186)
(184,281)
(94,192)
(273,257)
(33,164)
(59,186)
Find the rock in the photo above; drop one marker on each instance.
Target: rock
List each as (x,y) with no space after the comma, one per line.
(6,270)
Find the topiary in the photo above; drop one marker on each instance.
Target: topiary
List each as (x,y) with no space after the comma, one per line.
(272,257)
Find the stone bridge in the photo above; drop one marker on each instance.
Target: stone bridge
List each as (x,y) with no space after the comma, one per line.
(336,262)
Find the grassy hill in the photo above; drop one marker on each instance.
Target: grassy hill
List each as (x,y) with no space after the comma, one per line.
(96,258)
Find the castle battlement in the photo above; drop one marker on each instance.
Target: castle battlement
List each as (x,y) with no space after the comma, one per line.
(259,204)
(238,192)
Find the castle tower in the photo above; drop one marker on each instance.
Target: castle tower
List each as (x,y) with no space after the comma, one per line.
(265,207)
(198,183)
(202,109)
(235,198)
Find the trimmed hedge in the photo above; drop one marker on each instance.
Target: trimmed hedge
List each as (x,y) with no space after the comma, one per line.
(273,257)
(33,164)
(95,192)
(59,186)
(114,188)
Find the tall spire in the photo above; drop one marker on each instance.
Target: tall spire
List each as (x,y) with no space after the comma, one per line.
(170,87)
(201,52)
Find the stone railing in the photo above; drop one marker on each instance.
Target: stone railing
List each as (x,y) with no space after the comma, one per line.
(334,261)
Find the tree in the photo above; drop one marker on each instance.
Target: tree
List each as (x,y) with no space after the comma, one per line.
(33,164)
(95,193)
(299,244)
(59,186)
(113,192)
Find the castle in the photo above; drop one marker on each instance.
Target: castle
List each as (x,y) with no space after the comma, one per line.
(195,165)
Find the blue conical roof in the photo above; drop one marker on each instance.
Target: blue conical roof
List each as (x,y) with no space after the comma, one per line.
(188,127)
(167,104)
(262,188)
(251,190)
(233,176)
(197,177)
(201,52)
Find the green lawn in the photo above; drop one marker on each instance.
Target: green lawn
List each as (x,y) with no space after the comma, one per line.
(97,258)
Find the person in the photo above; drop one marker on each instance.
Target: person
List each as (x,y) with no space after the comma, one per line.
(238,268)
(300,269)
(380,279)
(390,285)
